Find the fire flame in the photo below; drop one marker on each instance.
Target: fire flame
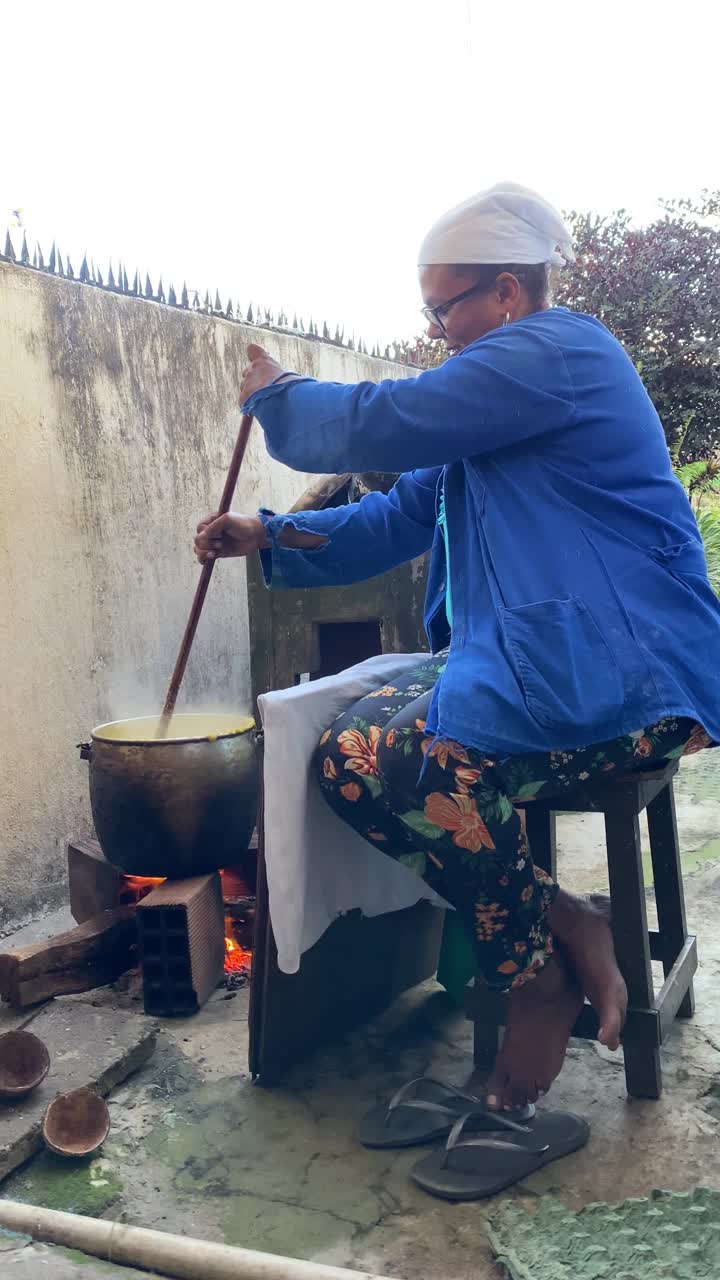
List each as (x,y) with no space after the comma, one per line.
(135,888)
(237,959)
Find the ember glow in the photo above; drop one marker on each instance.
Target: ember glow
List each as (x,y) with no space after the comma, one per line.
(237,959)
(134,888)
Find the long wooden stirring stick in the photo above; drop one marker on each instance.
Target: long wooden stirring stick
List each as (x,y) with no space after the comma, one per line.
(203,582)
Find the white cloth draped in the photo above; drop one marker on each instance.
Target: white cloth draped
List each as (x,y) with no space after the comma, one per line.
(317,866)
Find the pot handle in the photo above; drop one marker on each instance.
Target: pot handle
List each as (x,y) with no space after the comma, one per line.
(85,749)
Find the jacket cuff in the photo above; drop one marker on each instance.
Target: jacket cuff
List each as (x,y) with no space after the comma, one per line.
(266,393)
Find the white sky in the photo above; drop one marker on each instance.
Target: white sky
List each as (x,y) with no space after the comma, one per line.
(295,151)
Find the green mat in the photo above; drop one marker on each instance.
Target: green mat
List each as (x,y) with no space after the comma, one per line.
(667,1236)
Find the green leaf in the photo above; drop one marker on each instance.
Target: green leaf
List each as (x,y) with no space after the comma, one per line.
(504,809)
(529,790)
(417,821)
(417,862)
(374,785)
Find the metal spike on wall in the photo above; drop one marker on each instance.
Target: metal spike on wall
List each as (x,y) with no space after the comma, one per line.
(84,276)
(218,304)
(229,313)
(69,271)
(172,300)
(196,301)
(207,305)
(34,260)
(295,321)
(160,295)
(40,259)
(51,261)
(135,291)
(184,299)
(110,276)
(99,278)
(125,281)
(249,316)
(24,252)
(9,250)
(148,286)
(326,331)
(60,268)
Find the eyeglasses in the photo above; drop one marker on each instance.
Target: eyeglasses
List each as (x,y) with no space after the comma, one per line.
(436,315)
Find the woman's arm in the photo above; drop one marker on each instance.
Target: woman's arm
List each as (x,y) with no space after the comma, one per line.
(509,387)
(334,547)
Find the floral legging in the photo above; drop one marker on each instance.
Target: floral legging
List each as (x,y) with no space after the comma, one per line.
(457,827)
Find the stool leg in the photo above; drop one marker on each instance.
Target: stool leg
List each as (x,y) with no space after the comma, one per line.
(632,943)
(541,833)
(669,891)
(486,1037)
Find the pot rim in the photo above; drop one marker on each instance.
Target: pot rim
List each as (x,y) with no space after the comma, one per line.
(97,735)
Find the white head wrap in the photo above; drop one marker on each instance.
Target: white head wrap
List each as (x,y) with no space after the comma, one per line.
(505,224)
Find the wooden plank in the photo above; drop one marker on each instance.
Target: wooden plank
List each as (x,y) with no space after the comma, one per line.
(91,955)
(632,944)
(668,880)
(671,997)
(540,827)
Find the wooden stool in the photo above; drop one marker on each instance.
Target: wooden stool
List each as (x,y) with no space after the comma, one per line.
(650,1018)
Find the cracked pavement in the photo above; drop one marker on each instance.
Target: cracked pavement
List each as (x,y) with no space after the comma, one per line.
(196,1148)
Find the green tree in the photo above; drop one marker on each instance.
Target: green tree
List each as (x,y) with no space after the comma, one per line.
(701,482)
(657,288)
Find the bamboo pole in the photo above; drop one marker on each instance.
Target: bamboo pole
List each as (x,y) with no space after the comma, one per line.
(180,1257)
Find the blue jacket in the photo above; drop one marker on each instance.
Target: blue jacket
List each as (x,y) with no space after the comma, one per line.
(582,609)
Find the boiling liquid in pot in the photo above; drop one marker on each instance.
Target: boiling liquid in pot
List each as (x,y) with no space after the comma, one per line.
(184,724)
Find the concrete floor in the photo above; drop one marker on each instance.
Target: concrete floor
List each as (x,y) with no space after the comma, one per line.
(196,1148)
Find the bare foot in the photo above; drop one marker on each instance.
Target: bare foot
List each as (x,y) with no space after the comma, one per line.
(582,927)
(541,1016)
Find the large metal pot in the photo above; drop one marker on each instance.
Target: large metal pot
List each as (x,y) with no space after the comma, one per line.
(176,806)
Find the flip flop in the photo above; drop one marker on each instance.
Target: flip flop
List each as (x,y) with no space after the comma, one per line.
(474,1168)
(409,1121)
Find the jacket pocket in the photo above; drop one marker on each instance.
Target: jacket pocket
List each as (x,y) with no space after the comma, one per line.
(566,670)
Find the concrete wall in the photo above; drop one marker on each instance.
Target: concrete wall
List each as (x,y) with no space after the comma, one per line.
(117,420)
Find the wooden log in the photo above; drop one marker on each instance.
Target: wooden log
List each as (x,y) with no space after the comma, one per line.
(92,955)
